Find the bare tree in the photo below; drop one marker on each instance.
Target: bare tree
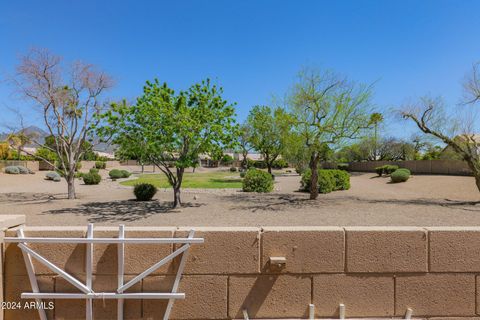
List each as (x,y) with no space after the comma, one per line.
(430,118)
(69,101)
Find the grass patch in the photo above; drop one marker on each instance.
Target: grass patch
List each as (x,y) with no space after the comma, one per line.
(209,180)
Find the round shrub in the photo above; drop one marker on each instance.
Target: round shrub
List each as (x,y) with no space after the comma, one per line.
(242,174)
(400,175)
(326,181)
(115,174)
(100,164)
(91,177)
(257,181)
(342,166)
(144,191)
(23,170)
(404,169)
(125,173)
(12,170)
(233,169)
(379,170)
(388,169)
(53,176)
(342,179)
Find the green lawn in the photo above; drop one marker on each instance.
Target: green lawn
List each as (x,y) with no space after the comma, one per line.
(210,180)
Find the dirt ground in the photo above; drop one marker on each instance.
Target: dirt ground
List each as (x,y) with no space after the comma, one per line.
(424,200)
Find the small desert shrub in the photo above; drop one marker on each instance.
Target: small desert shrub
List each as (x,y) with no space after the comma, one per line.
(12,170)
(23,170)
(400,175)
(379,170)
(115,174)
(144,191)
(342,166)
(328,180)
(53,176)
(118,174)
(388,169)
(100,164)
(233,169)
(257,181)
(125,173)
(92,177)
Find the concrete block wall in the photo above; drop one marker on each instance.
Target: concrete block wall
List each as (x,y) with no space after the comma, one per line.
(449,167)
(375,271)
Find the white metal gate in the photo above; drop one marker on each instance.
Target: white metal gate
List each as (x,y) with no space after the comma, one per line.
(86,291)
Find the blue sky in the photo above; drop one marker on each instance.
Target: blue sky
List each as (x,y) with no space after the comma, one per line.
(252,48)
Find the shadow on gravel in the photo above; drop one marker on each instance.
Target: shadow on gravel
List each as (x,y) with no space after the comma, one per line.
(30,198)
(117,211)
(269,201)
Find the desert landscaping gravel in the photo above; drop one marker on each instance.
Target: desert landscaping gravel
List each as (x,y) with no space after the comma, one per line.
(424,200)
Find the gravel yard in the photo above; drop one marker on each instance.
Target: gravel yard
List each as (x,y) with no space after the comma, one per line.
(424,200)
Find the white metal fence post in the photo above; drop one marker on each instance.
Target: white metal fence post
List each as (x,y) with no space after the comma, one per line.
(121,269)
(31,275)
(89,267)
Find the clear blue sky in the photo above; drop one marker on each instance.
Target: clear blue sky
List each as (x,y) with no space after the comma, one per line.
(252,48)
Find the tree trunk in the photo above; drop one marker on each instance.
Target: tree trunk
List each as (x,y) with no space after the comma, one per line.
(269,168)
(177,202)
(314,179)
(71,186)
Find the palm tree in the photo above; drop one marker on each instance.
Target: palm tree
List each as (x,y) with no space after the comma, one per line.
(375,119)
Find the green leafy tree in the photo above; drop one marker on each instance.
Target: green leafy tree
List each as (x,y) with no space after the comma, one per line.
(244,137)
(173,128)
(328,109)
(270,129)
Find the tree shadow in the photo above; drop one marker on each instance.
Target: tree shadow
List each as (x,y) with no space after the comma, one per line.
(447,203)
(121,211)
(30,197)
(268,201)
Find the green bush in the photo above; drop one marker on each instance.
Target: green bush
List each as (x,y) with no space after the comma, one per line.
(118,174)
(405,169)
(115,174)
(260,164)
(12,170)
(341,179)
(53,176)
(257,181)
(279,164)
(400,175)
(328,180)
(92,177)
(144,191)
(379,170)
(100,164)
(233,169)
(125,173)
(388,169)
(242,174)
(342,166)
(227,159)
(250,163)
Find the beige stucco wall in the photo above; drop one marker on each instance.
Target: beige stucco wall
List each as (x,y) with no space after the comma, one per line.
(374,271)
